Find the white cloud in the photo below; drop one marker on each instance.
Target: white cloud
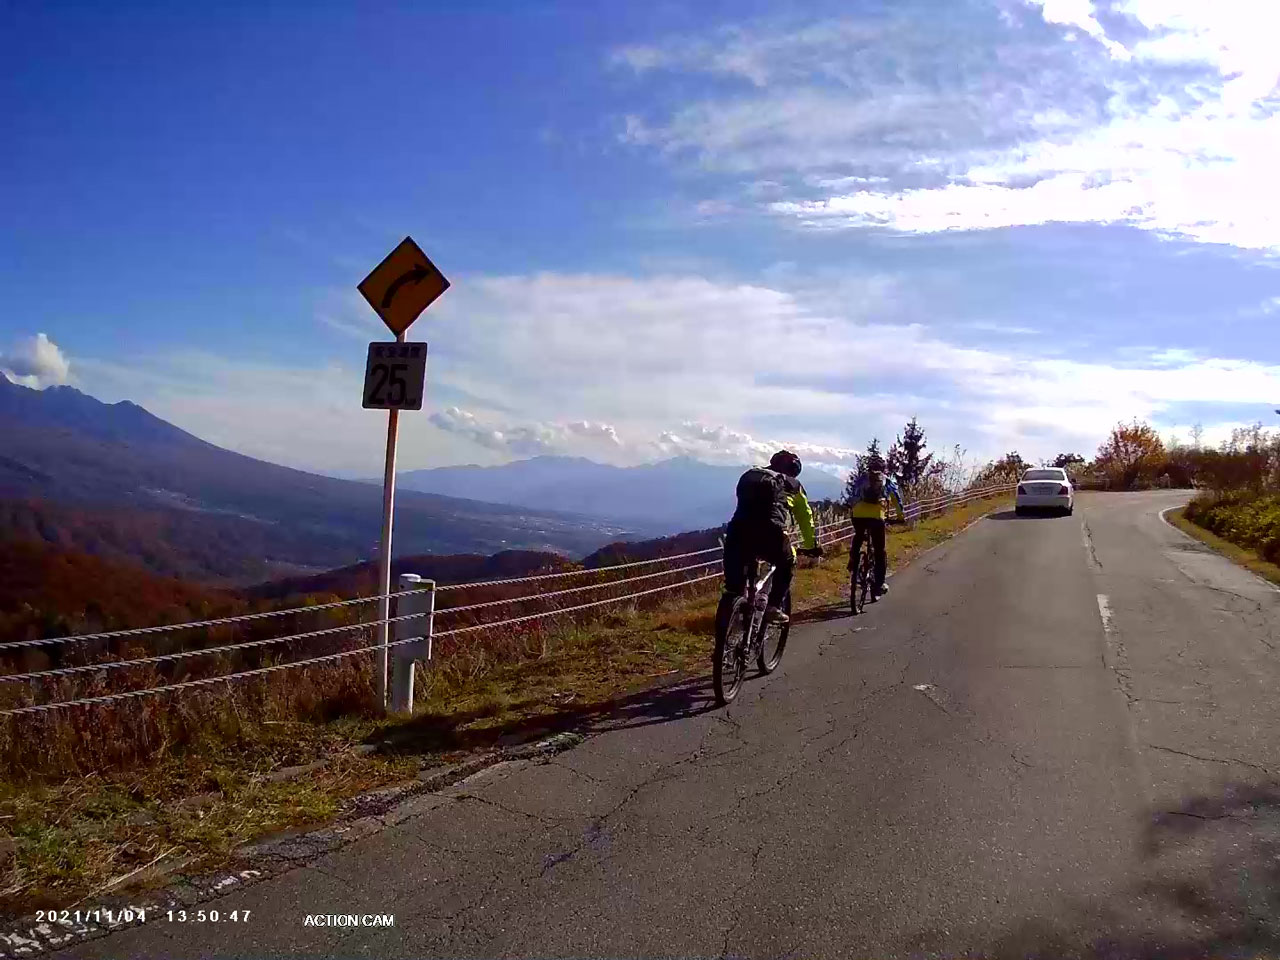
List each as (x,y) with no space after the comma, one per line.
(711,444)
(1213,434)
(721,444)
(628,369)
(1235,36)
(36,362)
(762,57)
(1079,14)
(682,364)
(304,416)
(1008,130)
(580,437)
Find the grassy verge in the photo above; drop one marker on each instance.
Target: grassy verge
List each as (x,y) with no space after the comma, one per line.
(1244,556)
(67,840)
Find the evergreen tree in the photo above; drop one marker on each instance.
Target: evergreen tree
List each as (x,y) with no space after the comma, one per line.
(913,463)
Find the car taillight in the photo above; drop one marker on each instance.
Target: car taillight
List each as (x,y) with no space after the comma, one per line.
(1022,489)
(1063,491)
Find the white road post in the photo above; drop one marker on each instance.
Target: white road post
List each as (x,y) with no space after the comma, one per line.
(405,655)
(384,555)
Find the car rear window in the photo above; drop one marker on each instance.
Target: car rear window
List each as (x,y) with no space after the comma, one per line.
(1044,475)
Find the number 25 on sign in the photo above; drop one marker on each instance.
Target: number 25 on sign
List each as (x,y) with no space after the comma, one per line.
(394,376)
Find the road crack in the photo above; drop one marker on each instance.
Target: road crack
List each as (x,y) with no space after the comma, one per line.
(547,821)
(736,898)
(1089,547)
(576,772)
(1226,761)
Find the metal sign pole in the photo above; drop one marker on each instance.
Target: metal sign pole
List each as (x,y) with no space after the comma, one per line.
(384,555)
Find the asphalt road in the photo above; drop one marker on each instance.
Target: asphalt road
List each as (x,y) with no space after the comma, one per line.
(1056,736)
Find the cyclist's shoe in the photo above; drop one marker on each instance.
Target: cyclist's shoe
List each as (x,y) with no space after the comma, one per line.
(880,591)
(775,615)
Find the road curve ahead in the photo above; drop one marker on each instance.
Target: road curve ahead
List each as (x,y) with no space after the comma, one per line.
(1056,737)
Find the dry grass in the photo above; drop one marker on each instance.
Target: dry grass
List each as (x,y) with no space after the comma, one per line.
(191,777)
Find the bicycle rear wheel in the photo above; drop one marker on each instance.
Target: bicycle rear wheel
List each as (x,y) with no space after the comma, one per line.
(857,581)
(868,574)
(774,640)
(729,661)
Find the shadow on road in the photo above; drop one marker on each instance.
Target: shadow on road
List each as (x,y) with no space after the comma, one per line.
(1210,888)
(830,611)
(681,697)
(434,733)
(1031,514)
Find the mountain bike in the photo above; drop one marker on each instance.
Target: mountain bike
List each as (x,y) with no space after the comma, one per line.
(741,632)
(862,575)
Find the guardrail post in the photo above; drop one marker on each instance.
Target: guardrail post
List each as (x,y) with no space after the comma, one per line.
(418,631)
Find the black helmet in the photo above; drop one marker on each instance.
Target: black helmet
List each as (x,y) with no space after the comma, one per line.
(784,461)
(875,463)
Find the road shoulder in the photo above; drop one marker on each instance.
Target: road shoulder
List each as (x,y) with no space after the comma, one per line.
(1241,556)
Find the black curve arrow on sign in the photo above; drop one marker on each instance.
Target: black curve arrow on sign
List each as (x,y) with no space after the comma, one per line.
(416,275)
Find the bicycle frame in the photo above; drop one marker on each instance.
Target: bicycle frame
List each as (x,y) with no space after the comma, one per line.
(754,589)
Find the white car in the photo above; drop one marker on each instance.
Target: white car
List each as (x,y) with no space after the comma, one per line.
(1045,488)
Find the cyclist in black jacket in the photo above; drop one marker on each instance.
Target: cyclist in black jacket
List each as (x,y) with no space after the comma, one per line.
(768,499)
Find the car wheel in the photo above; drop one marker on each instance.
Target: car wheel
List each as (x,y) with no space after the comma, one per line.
(1071,509)
(1019,511)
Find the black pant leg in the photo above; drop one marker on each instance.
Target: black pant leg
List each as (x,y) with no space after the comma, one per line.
(735,561)
(877,544)
(784,563)
(859,537)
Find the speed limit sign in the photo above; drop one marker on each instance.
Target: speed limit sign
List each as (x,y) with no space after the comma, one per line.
(394,376)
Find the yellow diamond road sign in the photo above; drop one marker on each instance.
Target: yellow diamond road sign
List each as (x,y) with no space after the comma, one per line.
(403,285)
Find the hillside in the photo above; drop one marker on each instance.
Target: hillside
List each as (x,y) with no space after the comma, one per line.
(168,542)
(629,552)
(674,495)
(48,591)
(117,481)
(361,579)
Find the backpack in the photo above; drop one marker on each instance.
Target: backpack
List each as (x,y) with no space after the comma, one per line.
(873,489)
(759,491)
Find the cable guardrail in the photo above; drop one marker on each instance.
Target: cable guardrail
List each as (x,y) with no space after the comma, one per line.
(833,531)
(345,628)
(315,608)
(332,657)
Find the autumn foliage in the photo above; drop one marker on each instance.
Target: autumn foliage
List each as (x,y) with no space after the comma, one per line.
(1131,456)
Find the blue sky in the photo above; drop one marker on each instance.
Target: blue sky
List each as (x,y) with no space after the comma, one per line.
(703,228)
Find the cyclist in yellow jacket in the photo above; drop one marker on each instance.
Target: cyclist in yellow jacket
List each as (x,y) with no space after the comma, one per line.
(870,493)
(768,498)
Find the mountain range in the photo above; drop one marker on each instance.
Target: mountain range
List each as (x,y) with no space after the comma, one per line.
(676,495)
(114,480)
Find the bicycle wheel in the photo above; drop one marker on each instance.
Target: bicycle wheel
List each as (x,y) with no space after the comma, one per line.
(774,640)
(868,574)
(728,662)
(857,581)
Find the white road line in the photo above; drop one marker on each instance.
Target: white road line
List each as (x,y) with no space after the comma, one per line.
(1104,610)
